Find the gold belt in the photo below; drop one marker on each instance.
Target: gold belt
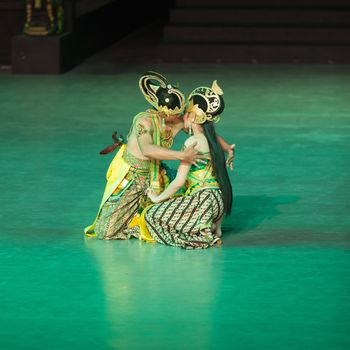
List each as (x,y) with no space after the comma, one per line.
(137,164)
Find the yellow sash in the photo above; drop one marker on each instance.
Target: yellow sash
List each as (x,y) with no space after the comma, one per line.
(115,174)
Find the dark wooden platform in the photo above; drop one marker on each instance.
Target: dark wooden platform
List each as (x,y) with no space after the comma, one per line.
(43,55)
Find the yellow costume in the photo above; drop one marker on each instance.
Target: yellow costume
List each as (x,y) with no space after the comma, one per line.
(115,175)
(128,177)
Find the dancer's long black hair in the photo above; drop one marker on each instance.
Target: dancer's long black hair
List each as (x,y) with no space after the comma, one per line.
(217,155)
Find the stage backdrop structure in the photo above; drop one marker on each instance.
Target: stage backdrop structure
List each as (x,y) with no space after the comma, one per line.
(58,35)
(44,47)
(259,31)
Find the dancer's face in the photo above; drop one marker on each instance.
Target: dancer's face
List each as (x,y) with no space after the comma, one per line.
(174,119)
(186,122)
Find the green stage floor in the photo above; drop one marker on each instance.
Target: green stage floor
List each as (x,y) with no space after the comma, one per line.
(281,279)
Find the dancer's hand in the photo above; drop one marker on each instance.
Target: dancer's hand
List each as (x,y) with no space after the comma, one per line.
(152,195)
(230,156)
(190,155)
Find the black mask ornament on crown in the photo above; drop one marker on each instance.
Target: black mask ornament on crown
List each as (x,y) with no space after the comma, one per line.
(163,96)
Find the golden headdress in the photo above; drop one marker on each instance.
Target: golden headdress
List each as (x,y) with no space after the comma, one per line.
(164,97)
(212,106)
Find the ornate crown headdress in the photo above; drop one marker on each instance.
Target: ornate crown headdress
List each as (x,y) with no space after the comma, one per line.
(213,103)
(164,97)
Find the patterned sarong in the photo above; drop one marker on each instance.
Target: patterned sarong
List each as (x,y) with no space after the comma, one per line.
(122,206)
(127,179)
(186,221)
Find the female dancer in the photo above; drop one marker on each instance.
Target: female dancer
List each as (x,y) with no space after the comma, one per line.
(194,220)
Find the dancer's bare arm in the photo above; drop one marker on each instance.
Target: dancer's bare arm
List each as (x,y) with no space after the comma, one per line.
(229,148)
(173,187)
(226,147)
(150,150)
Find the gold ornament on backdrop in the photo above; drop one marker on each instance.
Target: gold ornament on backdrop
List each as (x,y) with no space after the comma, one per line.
(44,17)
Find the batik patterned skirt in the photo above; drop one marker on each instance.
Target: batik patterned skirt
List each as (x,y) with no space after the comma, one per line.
(121,207)
(186,221)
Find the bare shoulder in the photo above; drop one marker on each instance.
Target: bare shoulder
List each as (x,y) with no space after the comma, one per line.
(190,141)
(143,126)
(145,121)
(200,141)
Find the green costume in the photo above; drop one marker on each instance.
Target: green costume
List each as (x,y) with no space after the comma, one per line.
(186,221)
